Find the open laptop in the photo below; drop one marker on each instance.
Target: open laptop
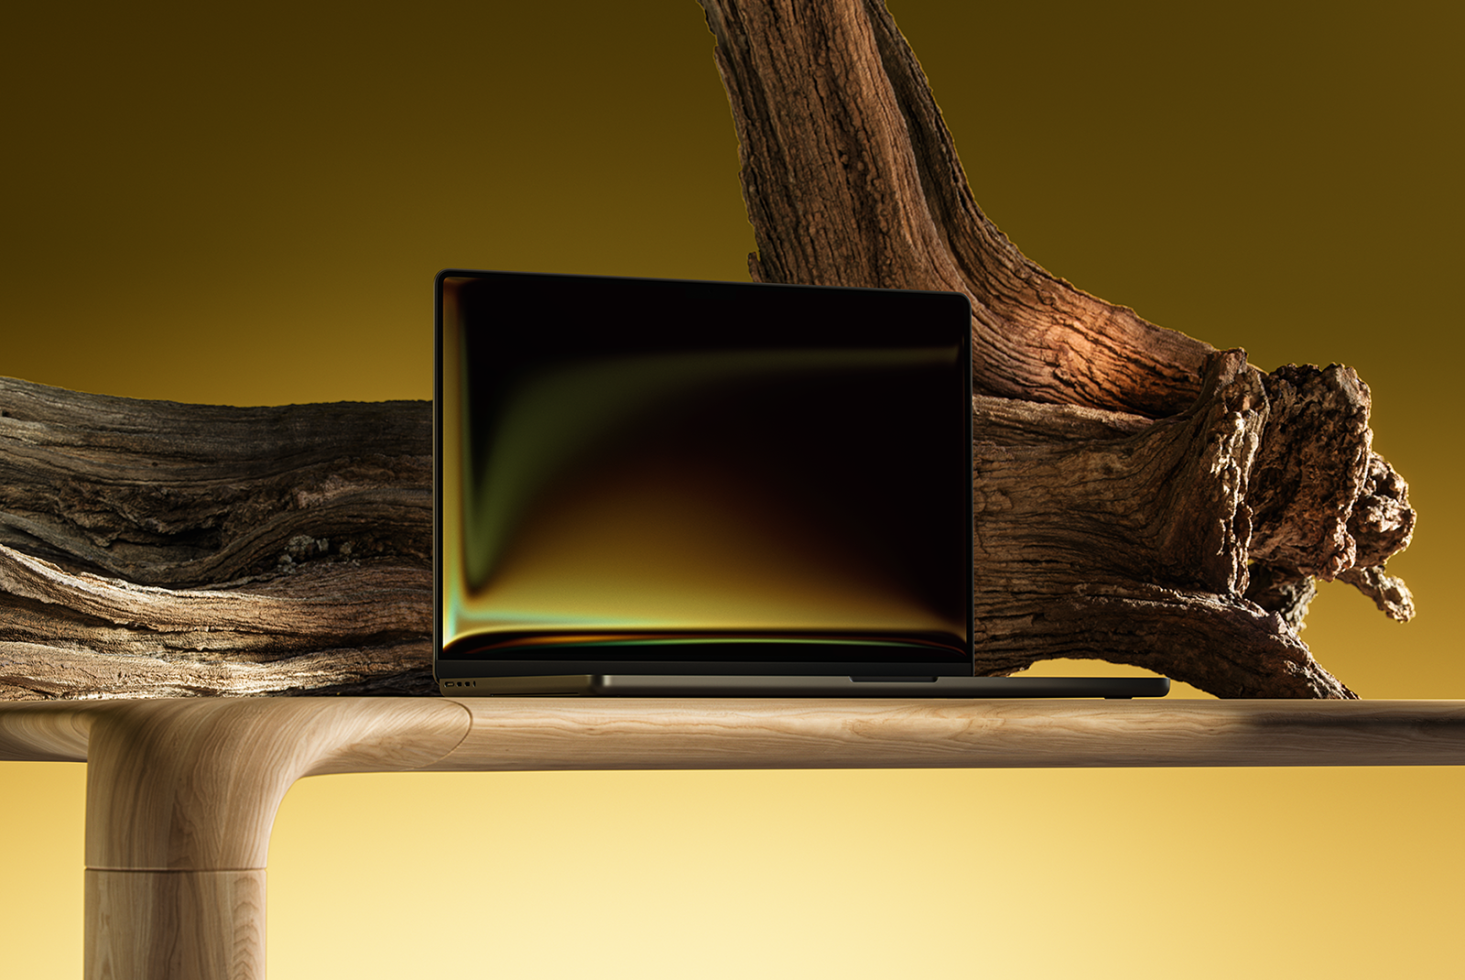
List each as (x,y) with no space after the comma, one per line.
(657,487)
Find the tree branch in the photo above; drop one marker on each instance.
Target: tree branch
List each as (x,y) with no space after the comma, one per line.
(851,178)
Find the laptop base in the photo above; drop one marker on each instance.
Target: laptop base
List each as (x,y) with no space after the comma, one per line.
(693,686)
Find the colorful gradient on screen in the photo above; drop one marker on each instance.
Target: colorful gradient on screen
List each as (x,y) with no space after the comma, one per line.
(668,464)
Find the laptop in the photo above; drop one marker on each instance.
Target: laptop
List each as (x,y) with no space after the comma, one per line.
(672,488)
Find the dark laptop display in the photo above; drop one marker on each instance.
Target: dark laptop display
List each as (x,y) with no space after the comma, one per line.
(644,483)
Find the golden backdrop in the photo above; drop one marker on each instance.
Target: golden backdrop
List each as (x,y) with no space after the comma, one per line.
(247,204)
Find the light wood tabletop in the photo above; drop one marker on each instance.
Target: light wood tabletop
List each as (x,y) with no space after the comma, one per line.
(182,793)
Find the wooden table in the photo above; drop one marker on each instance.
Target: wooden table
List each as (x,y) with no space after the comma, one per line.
(182,793)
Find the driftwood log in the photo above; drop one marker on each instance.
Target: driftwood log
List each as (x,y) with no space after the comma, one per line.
(152,548)
(1142,498)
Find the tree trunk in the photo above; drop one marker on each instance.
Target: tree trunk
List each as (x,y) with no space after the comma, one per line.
(1141,497)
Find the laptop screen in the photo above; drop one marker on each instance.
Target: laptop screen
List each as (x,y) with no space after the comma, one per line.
(654,476)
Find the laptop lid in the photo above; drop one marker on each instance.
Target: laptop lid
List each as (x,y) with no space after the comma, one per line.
(652,477)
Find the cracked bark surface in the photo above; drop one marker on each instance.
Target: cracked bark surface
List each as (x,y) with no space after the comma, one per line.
(152,548)
(1142,498)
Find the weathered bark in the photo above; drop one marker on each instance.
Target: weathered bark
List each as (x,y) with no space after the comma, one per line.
(851,178)
(152,548)
(1141,497)
(1135,549)
(174,495)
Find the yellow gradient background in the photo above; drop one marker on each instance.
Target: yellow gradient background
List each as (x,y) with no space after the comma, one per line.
(247,204)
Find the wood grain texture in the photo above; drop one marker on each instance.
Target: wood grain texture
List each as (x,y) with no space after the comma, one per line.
(174,925)
(46,731)
(852,178)
(322,629)
(158,549)
(569,733)
(191,751)
(1095,539)
(163,494)
(182,793)
(194,783)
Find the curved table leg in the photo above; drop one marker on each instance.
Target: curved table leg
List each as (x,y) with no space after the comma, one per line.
(181,795)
